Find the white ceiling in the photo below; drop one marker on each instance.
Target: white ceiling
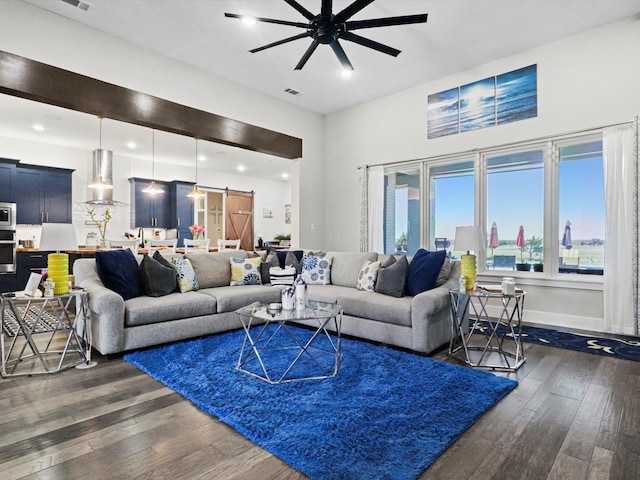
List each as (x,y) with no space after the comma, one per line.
(459,35)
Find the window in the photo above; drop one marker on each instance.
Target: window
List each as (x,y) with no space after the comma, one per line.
(402,212)
(581,209)
(452,193)
(532,192)
(515,203)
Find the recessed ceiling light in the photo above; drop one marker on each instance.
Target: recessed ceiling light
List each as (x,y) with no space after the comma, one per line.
(247,20)
(241,168)
(38,127)
(202,158)
(285,175)
(132,145)
(346,73)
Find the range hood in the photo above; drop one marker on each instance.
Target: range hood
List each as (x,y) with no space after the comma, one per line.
(103,169)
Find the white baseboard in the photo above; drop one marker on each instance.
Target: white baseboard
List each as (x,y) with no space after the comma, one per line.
(553,319)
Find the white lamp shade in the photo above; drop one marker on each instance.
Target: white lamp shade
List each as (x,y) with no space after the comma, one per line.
(468,239)
(58,236)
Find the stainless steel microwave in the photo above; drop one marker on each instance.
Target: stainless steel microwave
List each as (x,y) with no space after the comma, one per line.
(7,216)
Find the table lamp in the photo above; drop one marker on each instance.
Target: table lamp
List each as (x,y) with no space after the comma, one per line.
(469,239)
(57,237)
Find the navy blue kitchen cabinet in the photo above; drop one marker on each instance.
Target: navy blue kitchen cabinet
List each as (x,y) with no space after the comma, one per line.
(43,194)
(181,210)
(149,210)
(7,180)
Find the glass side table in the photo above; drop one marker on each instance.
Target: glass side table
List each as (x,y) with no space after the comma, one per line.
(39,335)
(276,353)
(480,340)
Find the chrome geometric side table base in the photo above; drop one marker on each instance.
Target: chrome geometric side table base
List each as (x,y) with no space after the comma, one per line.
(482,341)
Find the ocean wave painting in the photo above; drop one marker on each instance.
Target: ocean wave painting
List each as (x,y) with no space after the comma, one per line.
(478,104)
(517,94)
(504,98)
(442,113)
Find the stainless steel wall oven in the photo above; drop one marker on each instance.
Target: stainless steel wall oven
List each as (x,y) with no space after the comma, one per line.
(8,240)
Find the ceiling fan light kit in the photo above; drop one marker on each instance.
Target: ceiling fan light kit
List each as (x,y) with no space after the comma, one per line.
(328,29)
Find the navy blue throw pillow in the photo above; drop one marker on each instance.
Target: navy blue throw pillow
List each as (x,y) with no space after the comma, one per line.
(424,270)
(118,270)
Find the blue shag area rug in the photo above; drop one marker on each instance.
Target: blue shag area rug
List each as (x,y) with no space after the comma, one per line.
(620,346)
(386,415)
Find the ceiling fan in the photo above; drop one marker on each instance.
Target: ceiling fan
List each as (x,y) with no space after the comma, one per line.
(328,28)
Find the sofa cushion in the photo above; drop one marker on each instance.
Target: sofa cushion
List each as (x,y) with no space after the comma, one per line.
(157,279)
(392,276)
(245,271)
(368,276)
(230,299)
(326,293)
(118,271)
(316,269)
(187,280)
(424,270)
(213,269)
(375,306)
(345,267)
(145,310)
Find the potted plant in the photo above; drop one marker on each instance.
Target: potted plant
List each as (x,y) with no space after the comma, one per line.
(101,223)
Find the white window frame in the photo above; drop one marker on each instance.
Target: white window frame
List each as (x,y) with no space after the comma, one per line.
(551,249)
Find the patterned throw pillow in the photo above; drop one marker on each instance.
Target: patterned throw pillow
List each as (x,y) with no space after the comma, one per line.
(368,275)
(187,280)
(282,276)
(316,270)
(245,271)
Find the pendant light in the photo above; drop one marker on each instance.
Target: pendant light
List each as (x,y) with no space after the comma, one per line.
(101,156)
(196,192)
(153,189)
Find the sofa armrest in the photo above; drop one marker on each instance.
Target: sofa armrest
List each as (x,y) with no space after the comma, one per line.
(430,316)
(106,308)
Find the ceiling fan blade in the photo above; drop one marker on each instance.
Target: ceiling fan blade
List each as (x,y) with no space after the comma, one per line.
(307,54)
(351,10)
(303,11)
(337,49)
(280,42)
(365,42)
(327,7)
(269,20)
(386,22)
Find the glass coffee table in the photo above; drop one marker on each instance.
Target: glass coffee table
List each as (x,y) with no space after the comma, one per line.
(289,345)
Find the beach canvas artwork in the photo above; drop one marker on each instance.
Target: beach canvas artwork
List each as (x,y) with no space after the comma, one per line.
(478,104)
(504,98)
(442,113)
(517,94)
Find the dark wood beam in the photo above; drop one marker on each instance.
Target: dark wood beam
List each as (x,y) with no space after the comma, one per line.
(26,78)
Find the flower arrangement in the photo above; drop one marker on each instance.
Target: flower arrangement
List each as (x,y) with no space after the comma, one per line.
(101,223)
(197,231)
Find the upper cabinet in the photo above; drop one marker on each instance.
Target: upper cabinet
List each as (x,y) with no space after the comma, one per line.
(149,210)
(43,195)
(181,210)
(7,180)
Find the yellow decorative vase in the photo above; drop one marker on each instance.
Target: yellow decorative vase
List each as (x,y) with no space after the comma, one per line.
(468,269)
(58,271)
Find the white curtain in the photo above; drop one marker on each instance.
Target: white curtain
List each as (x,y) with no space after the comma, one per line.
(620,158)
(375,209)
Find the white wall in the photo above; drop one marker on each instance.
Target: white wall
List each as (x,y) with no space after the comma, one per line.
(585,81)
(22,32)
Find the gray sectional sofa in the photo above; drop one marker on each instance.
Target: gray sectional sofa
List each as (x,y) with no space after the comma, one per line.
(419,323)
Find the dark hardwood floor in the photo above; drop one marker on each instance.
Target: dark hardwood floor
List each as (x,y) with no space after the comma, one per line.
(573,416)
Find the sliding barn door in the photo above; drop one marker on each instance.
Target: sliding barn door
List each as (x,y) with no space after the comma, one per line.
(239,218)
